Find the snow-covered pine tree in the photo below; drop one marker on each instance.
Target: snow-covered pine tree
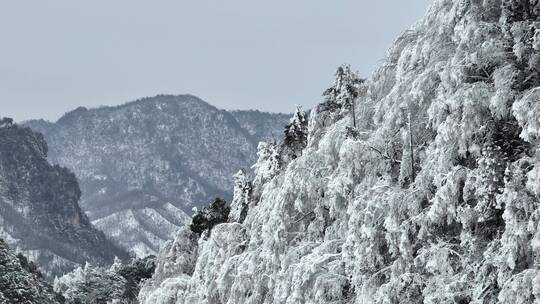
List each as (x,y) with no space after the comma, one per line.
(295,140)
(135,272)
(100,285)
(241,197)
(340,99)
(343,94)
(269,161)
(204,220)
(174,265)
(91,284)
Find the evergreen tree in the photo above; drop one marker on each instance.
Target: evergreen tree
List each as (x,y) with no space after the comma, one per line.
(296,134)
(91,285)
(118,284)
(216,213)
(269,161)
(6,122)
(241,197)
(134,273)
(343,94)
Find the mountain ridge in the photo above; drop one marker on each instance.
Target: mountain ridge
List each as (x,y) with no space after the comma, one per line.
(40,215)
(175,151)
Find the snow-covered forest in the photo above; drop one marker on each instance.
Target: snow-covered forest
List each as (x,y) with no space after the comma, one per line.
(419,184)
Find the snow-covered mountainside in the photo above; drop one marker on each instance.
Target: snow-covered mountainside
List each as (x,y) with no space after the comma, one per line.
(432,198)
(39,207)
(20,282)
(144,165)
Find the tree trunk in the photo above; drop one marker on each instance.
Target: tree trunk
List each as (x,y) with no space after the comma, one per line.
(353,114)
(413,173)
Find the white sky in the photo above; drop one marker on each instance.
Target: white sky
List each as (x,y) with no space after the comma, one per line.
(56,55)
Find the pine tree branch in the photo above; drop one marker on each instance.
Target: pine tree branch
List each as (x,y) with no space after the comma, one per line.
(304,216)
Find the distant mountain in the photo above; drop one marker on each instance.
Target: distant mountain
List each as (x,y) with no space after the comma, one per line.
(20,282)
(262,125)
(144,165)
(39,210)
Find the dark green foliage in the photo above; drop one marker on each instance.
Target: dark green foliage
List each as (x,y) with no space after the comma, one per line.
(520,10)
(243,213)
(296,135)
(501,137)
(28,265)
(120,282)
(6,122)
(216,213)
(134,273)
(501,146)
(352,133)
(468,160)
(20,282)
(520,18)
(347,291)
(328,106)
(505,136)
(294,138)
(477,73)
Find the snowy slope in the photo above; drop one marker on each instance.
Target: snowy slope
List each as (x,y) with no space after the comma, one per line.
(144,165)
(358,218)
(143,230)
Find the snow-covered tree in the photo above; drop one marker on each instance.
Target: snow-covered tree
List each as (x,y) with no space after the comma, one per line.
(91,284)
(116,284)
(344,92)
(204,220)
(295,135)
(175,262)
(241,197)
(269,162)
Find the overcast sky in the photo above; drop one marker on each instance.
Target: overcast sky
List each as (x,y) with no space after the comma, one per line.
(56,55)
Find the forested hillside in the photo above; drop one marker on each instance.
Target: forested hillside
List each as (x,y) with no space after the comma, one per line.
(39,207)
